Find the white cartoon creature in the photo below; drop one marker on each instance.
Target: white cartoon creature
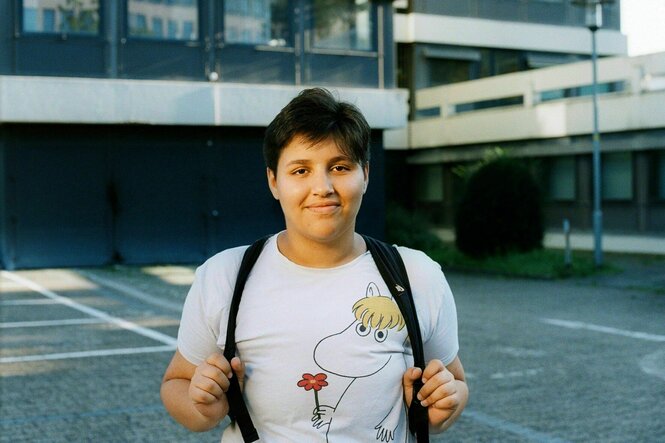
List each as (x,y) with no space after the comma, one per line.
(369,352)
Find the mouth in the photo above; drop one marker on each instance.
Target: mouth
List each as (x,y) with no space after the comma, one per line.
(324,207)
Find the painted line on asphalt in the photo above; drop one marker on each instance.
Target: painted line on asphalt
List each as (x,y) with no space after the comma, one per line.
(510,427)
(46,323)
(124,324)
(85,354)
(29,302)
(604,329)
(133,292)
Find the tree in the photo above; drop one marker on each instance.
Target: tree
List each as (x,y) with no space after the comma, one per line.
(500,210)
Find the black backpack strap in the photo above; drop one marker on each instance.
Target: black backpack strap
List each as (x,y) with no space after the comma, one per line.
(237,407)
(392,270)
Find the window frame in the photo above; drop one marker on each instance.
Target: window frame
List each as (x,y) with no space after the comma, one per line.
(294,33)
(310,47)
(20,32)
(165,39)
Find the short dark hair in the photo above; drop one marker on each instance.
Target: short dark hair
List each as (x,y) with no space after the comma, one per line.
(316,115)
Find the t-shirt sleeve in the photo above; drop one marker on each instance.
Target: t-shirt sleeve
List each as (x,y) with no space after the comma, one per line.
(206,309)
(435,306)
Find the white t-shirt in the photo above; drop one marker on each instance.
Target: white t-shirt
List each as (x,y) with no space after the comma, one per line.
(324,349)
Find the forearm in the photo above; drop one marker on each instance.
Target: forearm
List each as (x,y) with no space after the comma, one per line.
(176,399)
(439,422)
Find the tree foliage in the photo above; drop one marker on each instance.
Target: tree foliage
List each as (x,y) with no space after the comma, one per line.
(500,211)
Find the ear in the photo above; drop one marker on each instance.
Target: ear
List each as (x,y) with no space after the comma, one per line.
(372,290)
(366,173)
(272,183)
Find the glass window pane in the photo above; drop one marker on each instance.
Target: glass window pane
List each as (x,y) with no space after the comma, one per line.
(562,178)
(343,24)
(61,16)
(257,22)
(163,19)
(617,176)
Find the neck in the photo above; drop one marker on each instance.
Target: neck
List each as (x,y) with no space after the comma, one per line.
(316,254)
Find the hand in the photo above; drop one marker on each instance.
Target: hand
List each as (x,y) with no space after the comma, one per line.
(439,392)
(322,415)
(209,383)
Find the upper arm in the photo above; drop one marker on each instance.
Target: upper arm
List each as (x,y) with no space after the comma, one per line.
(179,368)
(455,367)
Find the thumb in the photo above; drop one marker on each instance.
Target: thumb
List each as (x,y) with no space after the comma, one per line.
(239,370)
(411,375)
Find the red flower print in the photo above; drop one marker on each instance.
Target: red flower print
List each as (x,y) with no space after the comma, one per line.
(316,382)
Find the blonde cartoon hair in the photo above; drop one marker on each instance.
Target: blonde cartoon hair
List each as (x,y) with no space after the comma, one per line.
(378,312)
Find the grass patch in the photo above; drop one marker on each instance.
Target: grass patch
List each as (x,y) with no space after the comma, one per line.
(540,263)
(408,229)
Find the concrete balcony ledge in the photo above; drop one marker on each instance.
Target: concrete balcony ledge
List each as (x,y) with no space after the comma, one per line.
(163,102)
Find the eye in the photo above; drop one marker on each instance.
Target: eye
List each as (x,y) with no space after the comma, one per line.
(341,168)
(363,330)
(299,171)
(380,335)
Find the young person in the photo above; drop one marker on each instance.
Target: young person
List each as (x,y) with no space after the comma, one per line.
(323,353)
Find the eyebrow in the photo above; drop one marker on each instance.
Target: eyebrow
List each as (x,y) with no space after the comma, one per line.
(337,159)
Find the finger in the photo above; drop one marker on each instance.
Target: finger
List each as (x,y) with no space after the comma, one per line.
(410,375)
(201,396)
(218,360)
(211,373)
(440,382)
(433,368)
(239,369)
(441,392)
(450,402)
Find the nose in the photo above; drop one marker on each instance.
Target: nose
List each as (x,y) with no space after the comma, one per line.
(322,185)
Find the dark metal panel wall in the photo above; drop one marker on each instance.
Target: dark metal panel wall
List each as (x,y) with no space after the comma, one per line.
(157,196)
(94,195)
(56,200)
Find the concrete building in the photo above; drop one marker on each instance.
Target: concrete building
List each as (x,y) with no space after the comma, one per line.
(131,130)
(470,67)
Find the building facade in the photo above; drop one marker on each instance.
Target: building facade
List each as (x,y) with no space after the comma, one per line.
(131,130)
(470,67)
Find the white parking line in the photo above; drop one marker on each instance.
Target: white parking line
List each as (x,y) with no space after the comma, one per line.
(84,354)
(45,323)
(133,292)
(604,329)
(29,302)
(124,324)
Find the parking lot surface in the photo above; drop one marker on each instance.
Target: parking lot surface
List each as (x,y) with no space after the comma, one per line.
(84,350)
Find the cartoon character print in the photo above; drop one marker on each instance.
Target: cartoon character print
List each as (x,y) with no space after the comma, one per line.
(359,353)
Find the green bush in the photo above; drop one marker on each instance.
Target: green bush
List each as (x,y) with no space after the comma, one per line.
(500,211)
(406,228)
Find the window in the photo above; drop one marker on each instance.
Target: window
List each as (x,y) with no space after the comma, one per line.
(343,25)
(561,184)
(61,16)
(617,176)
(257,22)
(147,19)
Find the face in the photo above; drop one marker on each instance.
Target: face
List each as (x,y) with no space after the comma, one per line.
(320,190)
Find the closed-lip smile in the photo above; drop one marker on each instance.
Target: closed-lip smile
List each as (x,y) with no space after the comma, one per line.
(323,207)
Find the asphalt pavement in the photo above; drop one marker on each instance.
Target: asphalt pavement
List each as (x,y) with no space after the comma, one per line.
(580,360)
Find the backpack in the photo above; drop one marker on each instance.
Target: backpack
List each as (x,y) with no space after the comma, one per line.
(392,270)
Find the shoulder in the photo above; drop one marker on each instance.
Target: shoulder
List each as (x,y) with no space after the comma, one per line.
(419,265)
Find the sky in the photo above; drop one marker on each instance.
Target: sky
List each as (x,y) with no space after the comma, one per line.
(643,22)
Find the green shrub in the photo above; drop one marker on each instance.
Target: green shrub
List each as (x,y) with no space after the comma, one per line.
(500,211)
(406,228)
